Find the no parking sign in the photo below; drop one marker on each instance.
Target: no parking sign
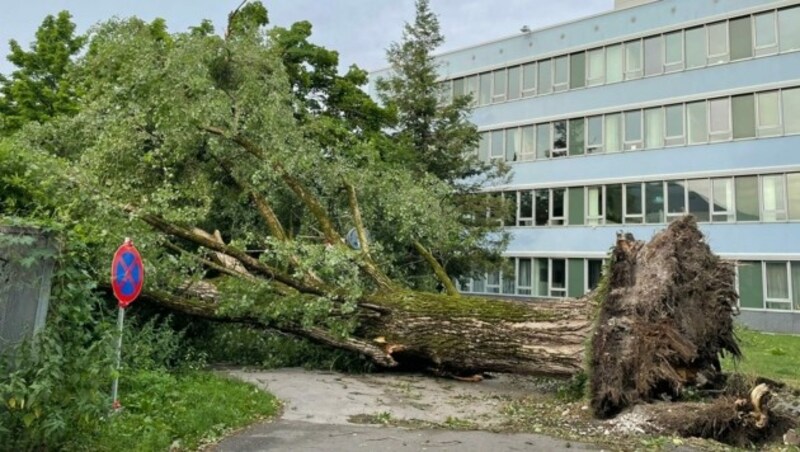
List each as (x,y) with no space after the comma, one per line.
(127,274)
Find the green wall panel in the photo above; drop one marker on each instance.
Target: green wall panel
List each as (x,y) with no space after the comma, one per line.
(575,278)
(751,286)
(575,206)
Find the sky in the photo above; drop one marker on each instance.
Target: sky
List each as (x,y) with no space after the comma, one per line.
(360,30)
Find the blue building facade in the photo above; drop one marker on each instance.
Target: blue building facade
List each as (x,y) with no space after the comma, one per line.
(628,119)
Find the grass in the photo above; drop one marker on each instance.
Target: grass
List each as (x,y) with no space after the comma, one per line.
(775,356)
(163,411)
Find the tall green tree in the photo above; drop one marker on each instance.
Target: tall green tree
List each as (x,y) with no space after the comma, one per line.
(39,88)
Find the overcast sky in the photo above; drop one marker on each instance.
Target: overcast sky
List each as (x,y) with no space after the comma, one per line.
(360,30)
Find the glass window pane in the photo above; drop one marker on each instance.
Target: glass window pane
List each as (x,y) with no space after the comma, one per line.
(524,276)
(561,73)
(545,77)
(614,67)
(654,202)
(673,51)
(633,203)
(577,70)
(793,185)
(594,271)
(594,205)
(542,270)
(773,198)
(699,196)
(676,198)
(597,67)
(576,134)
(766,34)
(747,198)
(613,133)
(796,285)
(479,284)
(674,125)
(744,116)
(791,109)
(594,135)
(718,43)
(498,145)
(486,89)
(512,144)
(720,119)
(741,38)
(458,87)
(788,20)
(509,278)
(777,281)
(529,79)
(654,128)
(695,47)
(559,274)
(557,212)
(769,116)
(633,130)
(525,204)
(513,83)
(542,198)
(614,204)
(483,147)
(472,88)
(653,56)
(633,59)
(499,86)
(543,141)
(559,139)
(698,124)
(528,150)
(722,207)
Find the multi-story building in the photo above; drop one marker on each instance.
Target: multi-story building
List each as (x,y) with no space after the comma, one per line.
(628,119)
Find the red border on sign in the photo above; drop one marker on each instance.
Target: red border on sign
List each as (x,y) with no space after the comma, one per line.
(125,300)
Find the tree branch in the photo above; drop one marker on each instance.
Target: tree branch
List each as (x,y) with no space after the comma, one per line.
(440,272)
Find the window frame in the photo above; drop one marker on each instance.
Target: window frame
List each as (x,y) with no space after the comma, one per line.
(731,212)
(526,221)
(597,81)
(529,92)
(552,219)
(641,215)
(550,289)
(632,73)
(765,280)
(675,140)
(769,49)
(680,65)
(632,145)
(501,97)
(760,128)
(722,135)
(560,87)
(782,210)
(718,58)
(600,218)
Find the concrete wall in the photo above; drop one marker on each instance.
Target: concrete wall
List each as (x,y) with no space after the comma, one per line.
(622,4)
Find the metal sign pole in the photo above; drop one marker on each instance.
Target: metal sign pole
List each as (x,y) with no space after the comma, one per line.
(115,385)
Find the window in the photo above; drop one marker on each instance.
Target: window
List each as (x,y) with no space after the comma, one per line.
(654,128)
(594,135)
(653,56)
(654,202)
(479,284)
(766,34)
(558,277)
(524,276)
(498,145)
(633,60)
(747,198)
(698,123)
(744,116)
(722,196)
(719,112)
(445,92)
(614,65)
(673,122)
(513,144)
(509,278)
(545,77)
(529,80)
(594,271)
(791,109)
(483,147)
(471,87)
(543,141)
(793,185)
(773,202)
(560,73)
(542,202)
(514,83)
(485,97)
(699,191)
(499,86)
(776,278)
(673,51)
(597,67)
(525,216)
(613,133)
(458,88)
(595,211)
(634,203)
(558,207)
(577,70)
(542,271)
(528,150)
(741,38)
(789,31)
(576,136)
(796,284)
(676,199)
(633,130)
(614,204)
(695,47)
(718,43)
(769,114)
(559,139)
(493,282)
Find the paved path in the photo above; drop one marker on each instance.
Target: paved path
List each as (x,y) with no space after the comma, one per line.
(319,407)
